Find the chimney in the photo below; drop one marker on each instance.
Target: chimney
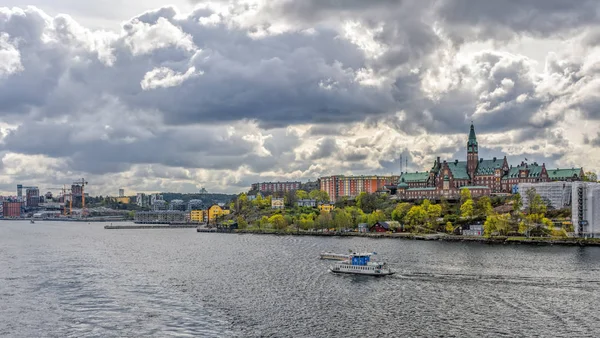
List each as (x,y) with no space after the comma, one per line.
(455,161)
(481,160)
(494,159)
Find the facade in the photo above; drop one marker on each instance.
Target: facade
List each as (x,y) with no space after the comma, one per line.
(177,205)
(277,203)
(473,230)
(159,205)
(11,209)
(215,211)
(481,176)
(326,207)
(307,203)
(159,217)
(141,200)
(557,195)
(275,186)
(586,209)
(352,186)
(154,198)
(76,190)
(197,216)
(32,196)
(123,200)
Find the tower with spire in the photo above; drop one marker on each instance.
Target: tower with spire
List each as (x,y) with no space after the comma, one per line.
(472,153)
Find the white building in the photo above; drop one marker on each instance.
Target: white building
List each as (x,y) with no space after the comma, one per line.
(121,192)
(556,194)
(586,209)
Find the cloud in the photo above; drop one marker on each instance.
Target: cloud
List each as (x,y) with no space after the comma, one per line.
(237,91)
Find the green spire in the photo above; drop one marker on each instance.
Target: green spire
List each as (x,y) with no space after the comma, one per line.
(472,143)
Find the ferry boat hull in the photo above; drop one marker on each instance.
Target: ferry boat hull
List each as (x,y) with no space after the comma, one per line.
(367,272)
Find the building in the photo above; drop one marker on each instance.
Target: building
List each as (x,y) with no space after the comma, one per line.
(275,186)
(310,186)
(11,209)
(76,189)
(307,203)
(195,204)
(142,200)
(155,197)
(445,179)
(159,205)
(277,203)
(177,205)
(214,212)
(197,216)
(556,195)
(351,186)
(32,196)
(123,200)
(473,230)
(326,207)
(586,209)
(159,217)
(380,227)
(121,192)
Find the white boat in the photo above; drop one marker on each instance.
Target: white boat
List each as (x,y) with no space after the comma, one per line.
(334,256)
(360,264)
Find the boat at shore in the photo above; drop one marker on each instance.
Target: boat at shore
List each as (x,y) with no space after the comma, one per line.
(334,256)
(360,264)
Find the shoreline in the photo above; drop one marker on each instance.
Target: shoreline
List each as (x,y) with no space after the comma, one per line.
(434,237)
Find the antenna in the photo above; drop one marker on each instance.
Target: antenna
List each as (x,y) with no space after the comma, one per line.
(406,168)
(400,163)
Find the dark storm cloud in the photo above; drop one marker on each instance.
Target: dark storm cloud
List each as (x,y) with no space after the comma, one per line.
(594,142)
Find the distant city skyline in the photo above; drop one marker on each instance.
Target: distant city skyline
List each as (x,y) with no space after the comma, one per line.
(151,98)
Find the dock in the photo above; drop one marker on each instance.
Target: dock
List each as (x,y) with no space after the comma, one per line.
(164,226)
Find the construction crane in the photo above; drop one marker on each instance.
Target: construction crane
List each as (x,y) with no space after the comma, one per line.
(64,196)
(82,183)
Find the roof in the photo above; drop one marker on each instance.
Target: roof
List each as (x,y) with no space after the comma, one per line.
(459,170)
(420,189)
(422,176)
(563,173)
(487,167)
(535,170)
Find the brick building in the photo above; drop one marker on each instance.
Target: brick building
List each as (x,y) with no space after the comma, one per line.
(351,186)
(11,209)
(481,176)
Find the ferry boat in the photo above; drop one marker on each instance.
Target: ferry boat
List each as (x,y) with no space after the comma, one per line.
(360,264)
(334,256)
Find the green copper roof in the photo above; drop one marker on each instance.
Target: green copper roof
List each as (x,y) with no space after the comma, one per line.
(417,177)
(488,167)
(472,137)
(459,170)
(555,174)
(421,189)
(535,171)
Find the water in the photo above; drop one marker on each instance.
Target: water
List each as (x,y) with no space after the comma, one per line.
(79,280)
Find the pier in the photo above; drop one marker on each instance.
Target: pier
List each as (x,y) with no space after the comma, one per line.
(164,226)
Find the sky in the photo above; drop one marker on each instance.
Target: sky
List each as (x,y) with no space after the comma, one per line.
(153,96)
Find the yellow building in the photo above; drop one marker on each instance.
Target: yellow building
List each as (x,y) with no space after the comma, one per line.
(197,216)
(216,211)
(326,207)
(124,200)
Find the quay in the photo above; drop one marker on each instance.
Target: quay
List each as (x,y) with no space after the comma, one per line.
(163,226)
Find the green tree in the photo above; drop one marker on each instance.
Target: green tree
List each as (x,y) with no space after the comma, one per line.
(366,202)
(242,202)
(449,227)
(341,219)
(301,194)
(319,195)
(307,221)
(400,211)
(278,221)
(376,216)
(264,222)
(241,221)
(466,209)
(415,217)
(465,194)
(590,176)
(497,224)
(483,207)
(356,214)
(324,220)
(517,203)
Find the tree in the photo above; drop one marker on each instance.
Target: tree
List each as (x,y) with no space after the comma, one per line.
(242,202)
(483,207)
(517,203)
(301,194)
(242,224)
(497,224)
(306,221)
(449,227)
(289,199)
(465,194)
(356,215)
(415,216)
(590,176)
(400,211)
(324,220)
(319,195)
(264,222)
(341,219)
(376,216)
(278,221)
(466,209)
(366,202)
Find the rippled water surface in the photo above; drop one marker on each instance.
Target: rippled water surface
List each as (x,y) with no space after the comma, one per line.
(79,280)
